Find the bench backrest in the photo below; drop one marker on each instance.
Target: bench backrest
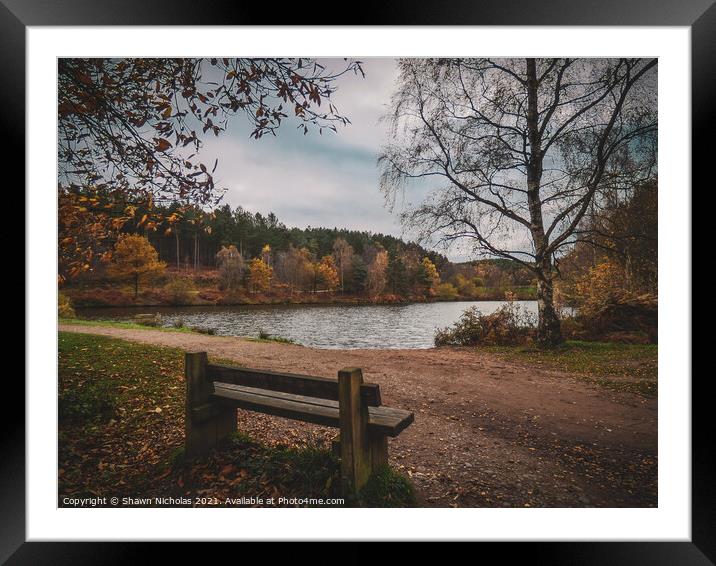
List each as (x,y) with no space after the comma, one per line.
(309,386)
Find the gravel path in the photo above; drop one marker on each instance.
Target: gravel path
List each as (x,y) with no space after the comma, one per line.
(487,433)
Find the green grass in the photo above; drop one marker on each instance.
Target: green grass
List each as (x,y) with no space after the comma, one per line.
(624,367)
(92,401)
(120,324)
(114,369)
(387,488)
(121,432)
(263,337)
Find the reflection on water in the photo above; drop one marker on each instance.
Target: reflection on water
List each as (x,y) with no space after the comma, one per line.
(320,326)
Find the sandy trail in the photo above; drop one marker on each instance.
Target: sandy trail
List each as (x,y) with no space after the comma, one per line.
(486,433)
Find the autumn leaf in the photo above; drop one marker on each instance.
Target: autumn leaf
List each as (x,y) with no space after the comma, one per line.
(162,144)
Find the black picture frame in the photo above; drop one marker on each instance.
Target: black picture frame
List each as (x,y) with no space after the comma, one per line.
(699,15)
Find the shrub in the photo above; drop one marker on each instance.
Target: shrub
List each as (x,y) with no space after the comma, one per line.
(153,320)
(203,330)
(469,289)
(64,307)
(622,313)
(509,325)
(101,298)
(446,291)
(607,308)
(263,335)
(180,291)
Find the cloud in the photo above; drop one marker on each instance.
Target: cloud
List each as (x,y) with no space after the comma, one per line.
(303,186)
(318,180)
(328,180)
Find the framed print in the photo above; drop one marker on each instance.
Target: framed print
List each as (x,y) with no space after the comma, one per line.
(315,271)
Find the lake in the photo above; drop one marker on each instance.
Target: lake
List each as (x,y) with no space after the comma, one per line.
(319,326)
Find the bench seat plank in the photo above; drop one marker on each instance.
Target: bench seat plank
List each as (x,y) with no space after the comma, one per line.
(381,420)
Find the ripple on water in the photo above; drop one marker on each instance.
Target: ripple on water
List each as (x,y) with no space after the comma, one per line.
(320,326)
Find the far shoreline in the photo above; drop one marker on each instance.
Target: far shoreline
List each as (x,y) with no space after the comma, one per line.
(353,301)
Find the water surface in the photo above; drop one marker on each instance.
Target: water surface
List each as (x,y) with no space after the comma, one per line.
(319,326)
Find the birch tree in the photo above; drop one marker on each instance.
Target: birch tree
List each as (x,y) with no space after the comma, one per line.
(516,150)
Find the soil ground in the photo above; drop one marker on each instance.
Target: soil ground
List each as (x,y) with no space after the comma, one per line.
(487,432)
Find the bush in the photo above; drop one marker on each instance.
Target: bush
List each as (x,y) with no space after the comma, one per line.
(203,330)
(620,314)
(607,309)
(180,291)
(153,320)
(446,291)
(468,289)
(263,335)
(511,324)
(64,306)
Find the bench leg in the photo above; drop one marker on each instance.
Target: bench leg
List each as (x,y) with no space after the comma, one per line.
(378,452)
(378,448)
(354,442)
(201,435)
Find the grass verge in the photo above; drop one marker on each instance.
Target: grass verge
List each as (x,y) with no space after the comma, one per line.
(620,367)
(120,324)
(121,434)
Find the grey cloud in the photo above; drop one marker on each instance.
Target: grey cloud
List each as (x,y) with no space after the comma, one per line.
(329,180)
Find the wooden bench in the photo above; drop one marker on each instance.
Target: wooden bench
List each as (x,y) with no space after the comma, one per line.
(214,392)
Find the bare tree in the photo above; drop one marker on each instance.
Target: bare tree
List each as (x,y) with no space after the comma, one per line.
(343,256)
(231,267)
(521,148)
(376,276)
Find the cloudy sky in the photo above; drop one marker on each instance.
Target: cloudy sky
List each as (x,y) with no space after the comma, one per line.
(329,180)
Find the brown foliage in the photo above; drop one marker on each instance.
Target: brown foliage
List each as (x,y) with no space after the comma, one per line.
(507,326)
(126,126)
(260,276)
(135,258)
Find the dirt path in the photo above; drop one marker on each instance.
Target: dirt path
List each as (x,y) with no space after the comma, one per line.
(486,432)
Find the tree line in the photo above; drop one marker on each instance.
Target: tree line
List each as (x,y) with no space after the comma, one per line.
(258,253)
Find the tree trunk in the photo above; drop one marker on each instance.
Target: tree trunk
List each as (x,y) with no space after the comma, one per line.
(136,286)
(549,333)
(548,328)
(196,250)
